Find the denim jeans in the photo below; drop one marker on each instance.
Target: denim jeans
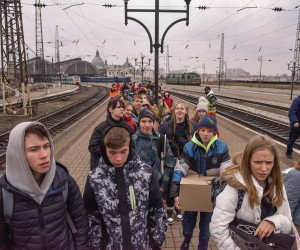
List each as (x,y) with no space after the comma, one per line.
(189,223)
(293,136)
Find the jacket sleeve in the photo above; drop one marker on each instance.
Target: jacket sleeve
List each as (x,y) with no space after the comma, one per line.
(78,215)
(181,169)
(223,214)
(94,145)
(157,217)
(212,101)
(292,185)
(168,167)
(294,110)
(282,219)
(225,161)
(4,230)
(95,222)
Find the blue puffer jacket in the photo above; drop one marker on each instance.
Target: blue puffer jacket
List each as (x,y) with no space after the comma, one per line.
(292,186)
(146,147)
(294,112)
(210,160)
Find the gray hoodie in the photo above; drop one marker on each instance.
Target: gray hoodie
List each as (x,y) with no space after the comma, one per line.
(18,172)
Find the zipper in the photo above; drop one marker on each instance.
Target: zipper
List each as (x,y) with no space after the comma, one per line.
(132,199)
(40,212)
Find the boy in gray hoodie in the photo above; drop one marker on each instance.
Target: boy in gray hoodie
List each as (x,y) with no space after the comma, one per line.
(37,185)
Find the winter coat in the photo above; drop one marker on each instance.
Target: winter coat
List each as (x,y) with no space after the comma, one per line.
(294,111)
(292,185)
(44,226)
(210,160)
(180,139)
(212,101)
(94,144)
(226,204)
(126,202)
(146,147)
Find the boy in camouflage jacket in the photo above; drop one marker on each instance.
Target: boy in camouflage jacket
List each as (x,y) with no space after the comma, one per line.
(122,198)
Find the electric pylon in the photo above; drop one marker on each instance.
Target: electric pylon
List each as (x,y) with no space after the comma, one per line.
(297,52)
(13,57)
(221,61)
(39,44)
(57,55)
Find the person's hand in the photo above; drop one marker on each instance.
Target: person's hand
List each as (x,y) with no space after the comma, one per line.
(265,229)
(296,125)
(176,199)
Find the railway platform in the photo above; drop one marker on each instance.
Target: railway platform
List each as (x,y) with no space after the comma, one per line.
(71,149)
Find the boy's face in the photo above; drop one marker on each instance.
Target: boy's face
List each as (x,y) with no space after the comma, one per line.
(137,103)
(205,135)
(117,112)
(118,156)
(38,153)
(146,125)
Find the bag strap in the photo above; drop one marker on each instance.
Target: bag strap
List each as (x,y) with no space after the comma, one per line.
(8,205)
(161,145)
(241,194)
(65,194)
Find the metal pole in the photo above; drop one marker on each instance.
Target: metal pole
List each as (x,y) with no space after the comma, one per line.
(156,49)
(142,69)
(203,66)
(3,95)
(293,79)
(260,59)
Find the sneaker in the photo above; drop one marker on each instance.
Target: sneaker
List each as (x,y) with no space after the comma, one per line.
(289,156)
(170,219)
(178,215)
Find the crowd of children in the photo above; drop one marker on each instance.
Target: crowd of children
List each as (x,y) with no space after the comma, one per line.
(139,154)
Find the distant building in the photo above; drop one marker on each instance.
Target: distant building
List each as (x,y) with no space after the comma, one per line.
(236,73)
(98,62)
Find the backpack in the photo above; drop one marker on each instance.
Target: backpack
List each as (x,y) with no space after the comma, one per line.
(217,186)
(8,206)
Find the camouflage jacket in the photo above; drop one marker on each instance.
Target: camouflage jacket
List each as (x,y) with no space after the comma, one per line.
(144,212)
(146,147)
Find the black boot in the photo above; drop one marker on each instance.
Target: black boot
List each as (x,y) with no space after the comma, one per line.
(185,244)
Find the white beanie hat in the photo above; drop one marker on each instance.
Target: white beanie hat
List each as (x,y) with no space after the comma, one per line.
(201,106)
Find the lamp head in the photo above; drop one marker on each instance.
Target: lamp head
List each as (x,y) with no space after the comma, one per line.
(187,2)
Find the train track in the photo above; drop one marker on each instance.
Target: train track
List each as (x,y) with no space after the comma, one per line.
(240,100)
(276,130)
(60,120)
(36,101)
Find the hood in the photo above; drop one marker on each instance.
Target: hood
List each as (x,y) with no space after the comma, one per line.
(234,180)
(103,148)
(18,172)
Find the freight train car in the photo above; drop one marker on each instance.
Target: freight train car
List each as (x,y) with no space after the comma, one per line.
(106,79)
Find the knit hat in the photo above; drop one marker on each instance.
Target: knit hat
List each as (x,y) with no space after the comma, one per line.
(201,106)
(208,121)
(146,113)
(145,102)
(207,88)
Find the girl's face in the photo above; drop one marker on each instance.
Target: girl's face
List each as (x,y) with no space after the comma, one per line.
(201,113)
(180,111)
(262,163)
(128,111)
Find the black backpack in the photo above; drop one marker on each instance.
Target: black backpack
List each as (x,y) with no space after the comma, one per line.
(217,186)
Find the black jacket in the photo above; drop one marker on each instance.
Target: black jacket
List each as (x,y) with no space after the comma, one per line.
(94,144)
(44,226)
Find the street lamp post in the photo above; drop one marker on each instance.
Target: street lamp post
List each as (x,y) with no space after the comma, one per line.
(293,69)
(203,66)
(141,65)
(156,44)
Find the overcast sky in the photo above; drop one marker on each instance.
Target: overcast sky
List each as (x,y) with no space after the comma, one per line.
(251,29)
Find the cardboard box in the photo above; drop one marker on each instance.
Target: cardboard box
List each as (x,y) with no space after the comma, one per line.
(195,193)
